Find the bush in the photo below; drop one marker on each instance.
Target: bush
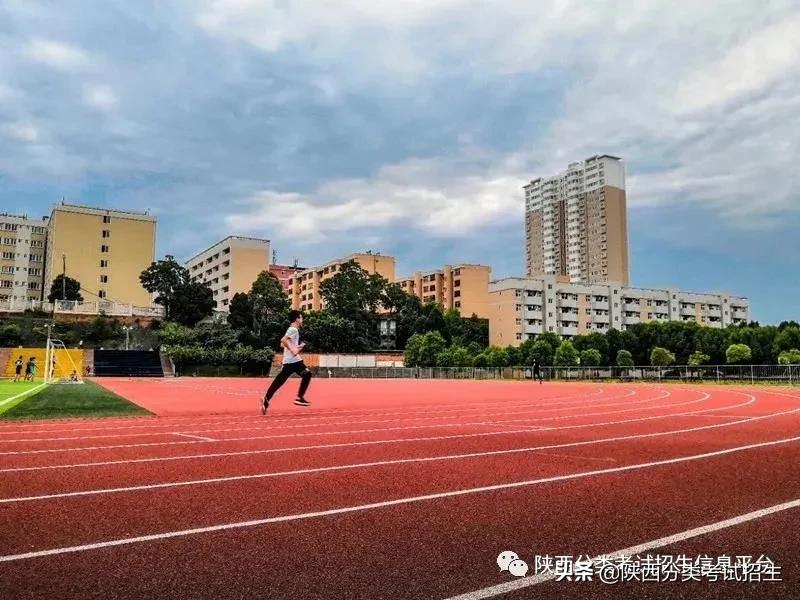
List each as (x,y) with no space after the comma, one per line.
(789,357)
(497,357)
(422,350)
(624,359)
(698,358)
(661,357)
(738,353)
(591,357)
(239,355)
(566,355)
(454,356)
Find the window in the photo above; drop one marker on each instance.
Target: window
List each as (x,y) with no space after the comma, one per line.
(106,219)
(103,278)
(101,293)
(104,248)
(104,264)
(106,233)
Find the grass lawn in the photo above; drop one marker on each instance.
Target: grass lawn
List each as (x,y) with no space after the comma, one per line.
(12,393)
(60,401)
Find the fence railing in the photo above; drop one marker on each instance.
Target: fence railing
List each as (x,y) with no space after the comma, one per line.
(788,374)
(112,309)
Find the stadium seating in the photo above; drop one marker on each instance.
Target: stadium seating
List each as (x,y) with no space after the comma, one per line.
(127,363)
(63,368)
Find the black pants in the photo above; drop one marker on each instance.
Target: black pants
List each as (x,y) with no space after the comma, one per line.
(537,374)
(298,368)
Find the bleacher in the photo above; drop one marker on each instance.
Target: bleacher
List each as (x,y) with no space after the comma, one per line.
(127,363)
(63,367)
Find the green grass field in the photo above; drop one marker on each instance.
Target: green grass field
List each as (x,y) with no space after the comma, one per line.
(63,401)
(11,393)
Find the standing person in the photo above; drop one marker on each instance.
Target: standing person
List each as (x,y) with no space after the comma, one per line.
(292,364)
(30,369)
(537,372)
(18,368)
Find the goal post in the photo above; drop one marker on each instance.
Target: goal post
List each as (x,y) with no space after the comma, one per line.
(59,365)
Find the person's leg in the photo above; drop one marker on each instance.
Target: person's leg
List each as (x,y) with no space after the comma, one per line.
(279,380)
(305,379)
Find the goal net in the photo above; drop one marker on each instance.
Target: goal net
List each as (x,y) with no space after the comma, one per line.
(60,365)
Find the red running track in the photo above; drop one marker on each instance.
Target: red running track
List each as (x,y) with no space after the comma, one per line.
(396,489)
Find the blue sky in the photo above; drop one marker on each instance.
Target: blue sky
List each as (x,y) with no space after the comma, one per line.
(409,127)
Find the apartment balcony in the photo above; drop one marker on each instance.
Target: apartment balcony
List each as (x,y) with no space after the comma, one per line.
(111,309)
(568,330)
(601,318)
(569,303)
(634,306)
(632,320)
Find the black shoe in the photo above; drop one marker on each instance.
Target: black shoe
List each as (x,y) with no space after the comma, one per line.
(264,405)
(302,402)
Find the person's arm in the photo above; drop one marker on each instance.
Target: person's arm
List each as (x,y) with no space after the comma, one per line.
(287,343)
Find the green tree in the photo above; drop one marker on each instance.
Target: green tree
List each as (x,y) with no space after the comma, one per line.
(698,358)
(270,309)
(240,312)
(324,332)
(661,357)
(175,334)
(10,335)
(566,355)
(596,341)
(787,338)
(537,349)
(591,357)
(353,292)
(454,356)
(624,359)
(432,318)
(738,354)
(73,289)
(789,357)
(185,301)
(405,309)
(422,350)
(496,357)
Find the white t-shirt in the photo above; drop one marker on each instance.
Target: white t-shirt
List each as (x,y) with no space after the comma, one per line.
(294,336)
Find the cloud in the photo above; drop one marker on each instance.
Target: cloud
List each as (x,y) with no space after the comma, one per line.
(55,54)
(23,132)
(100,96)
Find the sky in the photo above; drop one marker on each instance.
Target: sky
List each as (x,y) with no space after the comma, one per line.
(409,127)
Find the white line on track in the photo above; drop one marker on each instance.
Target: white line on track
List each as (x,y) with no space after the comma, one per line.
(330,414)
(197,437)
(401,461)
(386,503)
(350,432)
(266,424)
(526,582)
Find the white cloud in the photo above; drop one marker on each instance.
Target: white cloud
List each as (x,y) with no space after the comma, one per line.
(99,96)
(763,58)
(23,132)
(58,55)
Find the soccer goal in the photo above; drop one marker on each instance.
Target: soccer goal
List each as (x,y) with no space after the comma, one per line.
(59,366)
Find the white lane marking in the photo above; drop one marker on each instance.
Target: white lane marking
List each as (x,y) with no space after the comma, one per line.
(174,484)
(196,437)
(348,432)
(525,582)
(332,414)
(21,394)
(528,410)
(386,503)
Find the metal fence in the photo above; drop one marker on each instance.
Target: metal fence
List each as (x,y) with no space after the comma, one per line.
(786,374)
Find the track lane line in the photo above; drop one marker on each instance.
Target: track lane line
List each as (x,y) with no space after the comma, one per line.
(386,503)
(526,582)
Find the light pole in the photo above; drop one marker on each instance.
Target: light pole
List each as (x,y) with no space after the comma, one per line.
(127,330)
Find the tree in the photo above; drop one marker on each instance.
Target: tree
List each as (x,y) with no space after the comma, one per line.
(594,340)
(270,310)
(496,357)
(566,355)
(624,359)
(324,332)
(10,335)
(538,350)
(353,291)
(738,354)
(405,309)
(73,289)
(789,357)
(185,301)
(423,349)
(240,312)
(661,357)
(591,357)
(454,356)
(787,339)
(698,358)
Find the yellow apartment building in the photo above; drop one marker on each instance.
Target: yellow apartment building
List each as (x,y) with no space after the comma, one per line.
(105,250)
(230,266)
(464,288)
(305,285)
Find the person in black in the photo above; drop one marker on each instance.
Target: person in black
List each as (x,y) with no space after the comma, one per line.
(292,364)
(30,369)
(537,372)
(18,368)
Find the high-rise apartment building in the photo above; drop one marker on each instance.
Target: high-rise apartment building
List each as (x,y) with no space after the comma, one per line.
(461,287)
(284,274)
(230,266)
(105,250)
(305,286)
(576,223)
(522,308)
(22,242)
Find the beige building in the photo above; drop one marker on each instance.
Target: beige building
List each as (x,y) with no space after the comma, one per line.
(105,250)
(576,223)
(23,242)
(230,266)
(305,285)
(522,308)
(461,287)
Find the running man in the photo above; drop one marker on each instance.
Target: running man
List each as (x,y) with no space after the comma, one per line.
(537,372)
(30,369)
(18,368)
(292,363)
